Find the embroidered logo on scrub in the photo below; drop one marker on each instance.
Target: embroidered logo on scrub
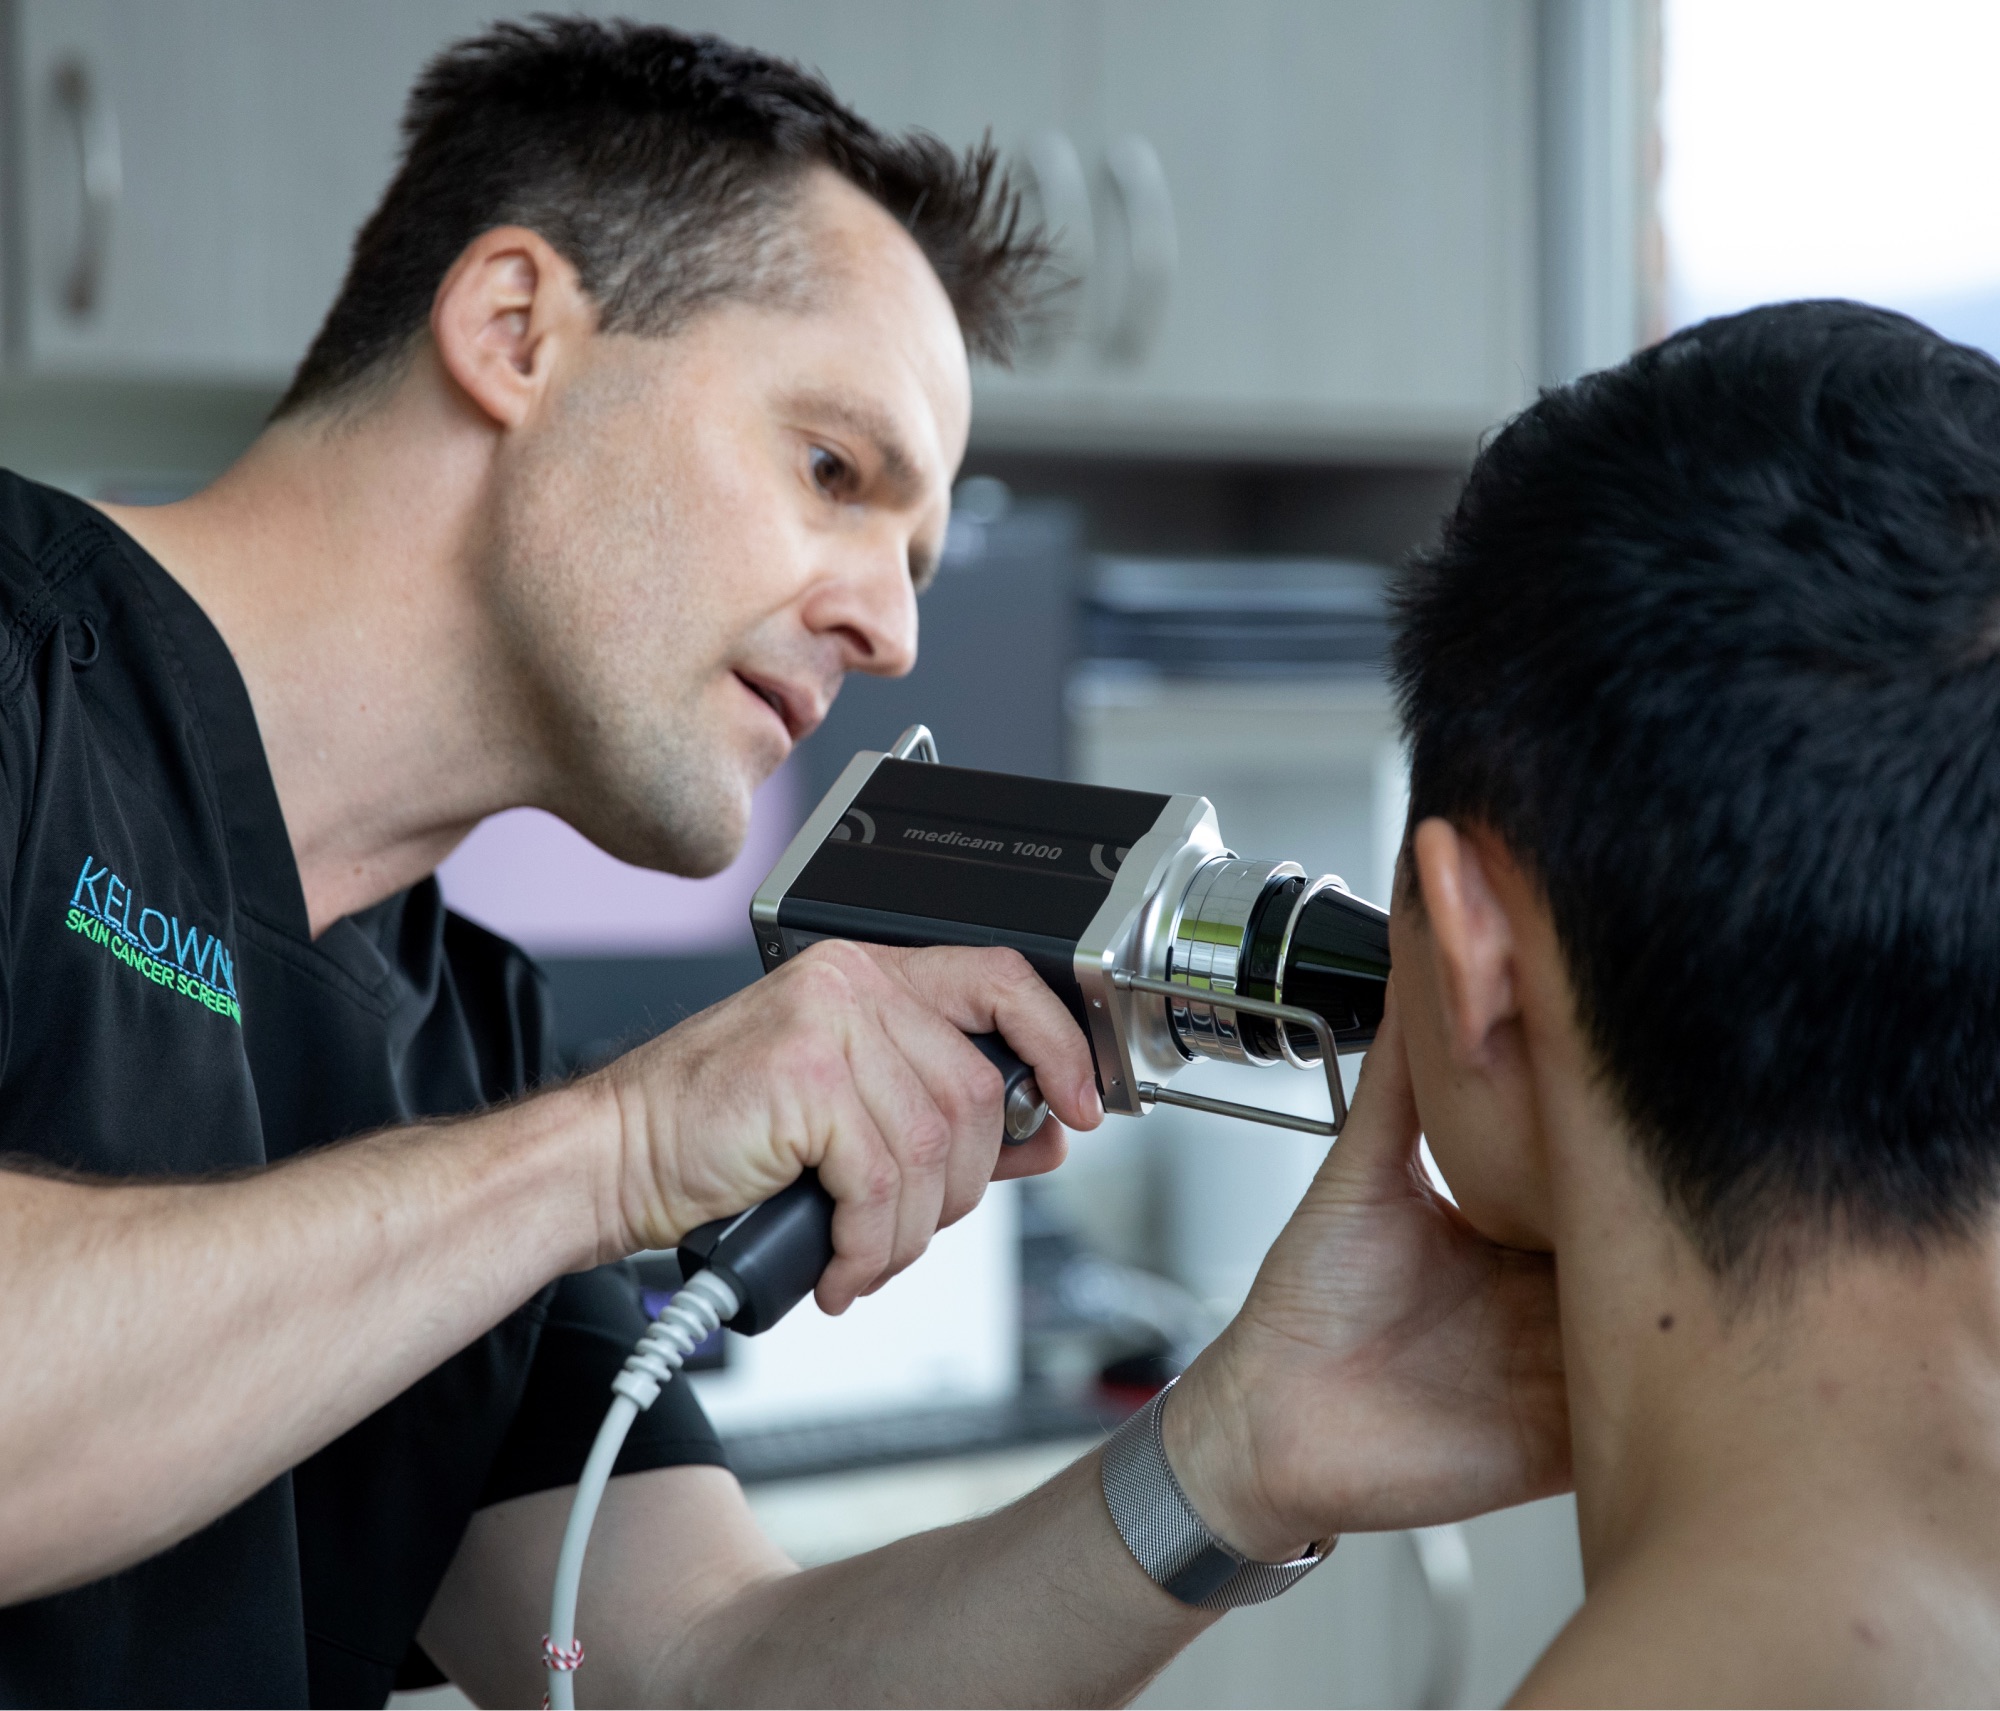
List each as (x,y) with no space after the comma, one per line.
(180,959)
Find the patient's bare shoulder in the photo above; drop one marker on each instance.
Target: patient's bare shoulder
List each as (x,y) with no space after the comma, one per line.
(1801,1621)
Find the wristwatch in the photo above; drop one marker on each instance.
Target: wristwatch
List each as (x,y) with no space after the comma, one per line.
(1170,1541)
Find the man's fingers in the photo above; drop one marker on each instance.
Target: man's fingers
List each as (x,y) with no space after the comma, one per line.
(966,1087)
(1036,1157)
(988,991)
(859,1171)
(926,1150)
(918,1135)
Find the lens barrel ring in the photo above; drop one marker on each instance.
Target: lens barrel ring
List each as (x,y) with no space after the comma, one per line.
(1209,946)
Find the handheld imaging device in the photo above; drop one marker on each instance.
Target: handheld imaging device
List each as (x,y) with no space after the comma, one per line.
(1166,946)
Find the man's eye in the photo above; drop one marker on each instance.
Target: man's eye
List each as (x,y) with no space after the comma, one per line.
(832,474)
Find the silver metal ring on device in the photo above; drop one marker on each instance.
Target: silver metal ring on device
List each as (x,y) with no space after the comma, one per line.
(1210,941)
(1026,1110)
(1325,882)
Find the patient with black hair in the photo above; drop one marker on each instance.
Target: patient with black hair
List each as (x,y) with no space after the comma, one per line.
(1697,949)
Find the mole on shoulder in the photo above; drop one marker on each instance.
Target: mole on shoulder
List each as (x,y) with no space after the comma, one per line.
(1666,1321)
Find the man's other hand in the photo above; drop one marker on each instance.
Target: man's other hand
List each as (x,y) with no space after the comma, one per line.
(1391,1367)
(853,1060)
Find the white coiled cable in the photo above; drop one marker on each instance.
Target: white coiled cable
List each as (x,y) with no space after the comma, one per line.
(697,1311)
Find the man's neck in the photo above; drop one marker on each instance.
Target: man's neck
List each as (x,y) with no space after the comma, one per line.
(1790,1495)
(339,563)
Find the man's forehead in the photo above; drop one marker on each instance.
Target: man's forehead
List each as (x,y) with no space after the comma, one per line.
(868,342)
(873,280)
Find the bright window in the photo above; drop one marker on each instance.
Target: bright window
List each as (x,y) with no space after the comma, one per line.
(1834,148)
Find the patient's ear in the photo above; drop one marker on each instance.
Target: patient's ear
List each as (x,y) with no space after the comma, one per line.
(1459,967)
(1471,939)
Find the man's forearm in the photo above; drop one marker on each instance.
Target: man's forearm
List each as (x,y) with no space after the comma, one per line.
(1039,1604)
(170,1348)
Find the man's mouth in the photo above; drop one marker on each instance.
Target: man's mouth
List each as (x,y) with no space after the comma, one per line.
(794,710)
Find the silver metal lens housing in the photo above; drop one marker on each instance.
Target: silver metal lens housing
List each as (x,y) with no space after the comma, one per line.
(1210,944)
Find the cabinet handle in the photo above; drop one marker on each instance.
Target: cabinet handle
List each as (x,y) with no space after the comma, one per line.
(1052,176)
(1137,194)
(1445,1564)
(101,177)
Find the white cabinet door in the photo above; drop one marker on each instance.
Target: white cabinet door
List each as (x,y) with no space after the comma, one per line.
(236,144)
(1352,191)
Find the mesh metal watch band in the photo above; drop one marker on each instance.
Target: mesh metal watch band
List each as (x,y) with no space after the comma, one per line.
(1169,1540)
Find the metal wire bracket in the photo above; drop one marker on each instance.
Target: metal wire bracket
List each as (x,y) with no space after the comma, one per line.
(916,743)
(1329,1058)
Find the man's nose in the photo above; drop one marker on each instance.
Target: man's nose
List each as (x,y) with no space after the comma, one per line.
(871,609)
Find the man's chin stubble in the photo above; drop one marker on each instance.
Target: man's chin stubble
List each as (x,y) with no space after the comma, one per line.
(696,825)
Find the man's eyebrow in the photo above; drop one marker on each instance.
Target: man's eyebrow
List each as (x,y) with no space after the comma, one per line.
(871,423)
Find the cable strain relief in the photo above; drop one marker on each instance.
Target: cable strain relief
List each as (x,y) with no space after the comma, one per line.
(641,1390)
(719,1290)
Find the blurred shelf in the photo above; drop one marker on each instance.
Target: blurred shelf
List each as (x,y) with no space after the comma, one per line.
(827,1517)
(920,1435)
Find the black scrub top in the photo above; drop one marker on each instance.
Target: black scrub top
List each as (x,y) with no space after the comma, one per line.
(164,1009)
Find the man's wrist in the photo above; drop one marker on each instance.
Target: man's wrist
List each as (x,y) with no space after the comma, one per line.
(645,1205)
(1208,1433)
(559,1151)
(611,1129)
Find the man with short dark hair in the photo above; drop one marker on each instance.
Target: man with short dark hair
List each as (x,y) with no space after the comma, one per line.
(631,432)
(1696,955)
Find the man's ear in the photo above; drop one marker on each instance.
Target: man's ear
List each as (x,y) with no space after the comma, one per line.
(1471,939)
(507,308)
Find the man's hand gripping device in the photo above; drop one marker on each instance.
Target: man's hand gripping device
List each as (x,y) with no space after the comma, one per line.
(1167,947)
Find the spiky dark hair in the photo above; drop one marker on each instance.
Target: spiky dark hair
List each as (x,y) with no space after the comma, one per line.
(665,167)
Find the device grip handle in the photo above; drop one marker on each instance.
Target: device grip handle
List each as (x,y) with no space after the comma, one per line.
(771,1255)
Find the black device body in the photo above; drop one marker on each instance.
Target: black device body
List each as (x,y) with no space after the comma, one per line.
(924,854)
(1084,881)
